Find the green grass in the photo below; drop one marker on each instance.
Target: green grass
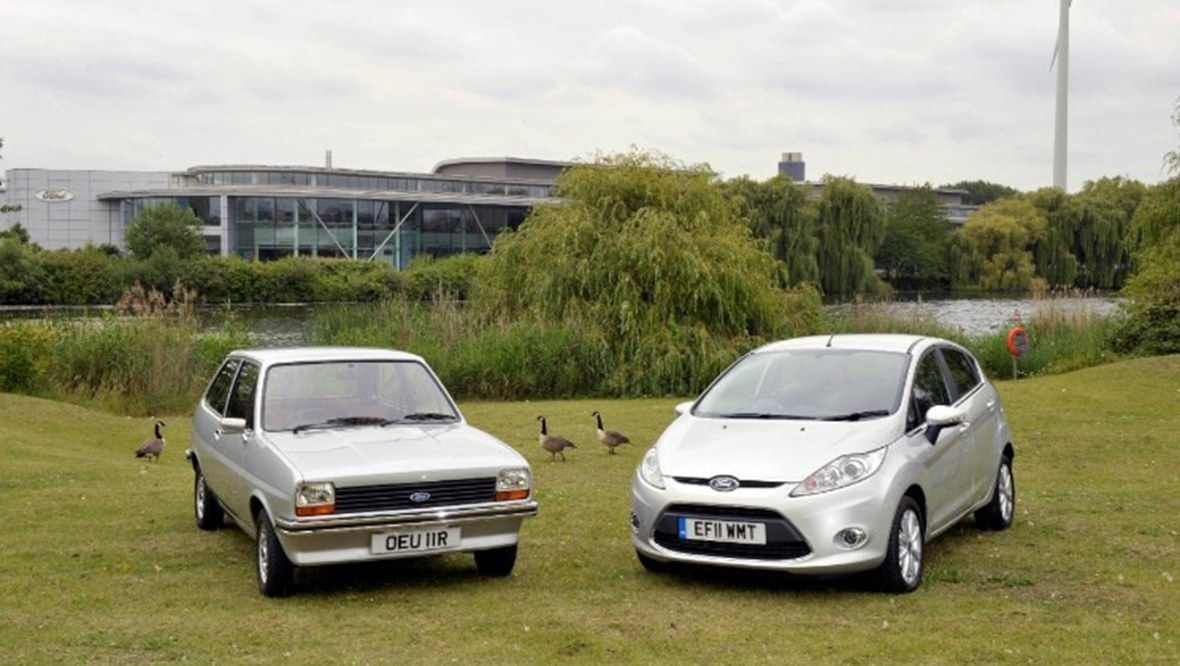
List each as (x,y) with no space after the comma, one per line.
(102,563)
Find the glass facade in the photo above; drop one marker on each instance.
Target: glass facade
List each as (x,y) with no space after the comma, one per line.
(267,228)
(372,182)
(388,218)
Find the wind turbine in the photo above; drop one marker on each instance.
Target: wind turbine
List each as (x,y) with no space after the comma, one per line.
(1061,125)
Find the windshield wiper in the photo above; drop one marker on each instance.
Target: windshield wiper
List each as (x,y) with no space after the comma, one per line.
(761,415)
(856,416)
(343,421)
(428,416)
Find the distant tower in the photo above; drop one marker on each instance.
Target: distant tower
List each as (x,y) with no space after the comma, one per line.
(793,167)
(1061,118)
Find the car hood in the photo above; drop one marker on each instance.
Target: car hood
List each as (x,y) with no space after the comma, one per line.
(765,450)
(400,452)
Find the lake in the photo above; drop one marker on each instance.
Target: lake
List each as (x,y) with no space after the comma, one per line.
(986,315)
(285,325)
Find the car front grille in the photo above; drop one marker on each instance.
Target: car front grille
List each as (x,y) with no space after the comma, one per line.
(742,483)
(364,499)
(783,540)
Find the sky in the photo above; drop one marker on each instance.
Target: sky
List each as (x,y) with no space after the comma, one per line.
(902,92)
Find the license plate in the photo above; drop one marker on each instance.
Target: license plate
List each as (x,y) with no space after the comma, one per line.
(416,541)
(724,531)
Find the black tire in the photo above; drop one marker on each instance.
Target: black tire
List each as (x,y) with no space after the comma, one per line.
(206,509)
(276,574)
(497,561)
(651,564)
(901,572)
(999,513)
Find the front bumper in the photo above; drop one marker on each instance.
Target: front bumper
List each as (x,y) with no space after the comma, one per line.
(337,539)
(803,533)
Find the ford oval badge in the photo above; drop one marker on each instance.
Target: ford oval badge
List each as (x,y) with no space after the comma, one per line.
(724,484)
(419,497)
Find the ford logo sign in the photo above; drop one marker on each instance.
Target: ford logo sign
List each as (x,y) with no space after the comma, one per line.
(418,498)
(724,484)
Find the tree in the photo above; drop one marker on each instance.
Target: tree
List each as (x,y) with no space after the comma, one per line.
(651,259)
(850,225)
(981,192)
(1152,298)
(1052,249)
(165,225)
(779,212)
(22,275)
(16,232)
(915,252)
(1172,157)
(1102,242)
(7,208)
(993,251)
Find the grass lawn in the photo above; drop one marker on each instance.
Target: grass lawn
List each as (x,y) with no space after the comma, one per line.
(101,562)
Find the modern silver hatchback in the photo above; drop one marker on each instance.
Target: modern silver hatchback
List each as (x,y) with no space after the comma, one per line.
(828,455)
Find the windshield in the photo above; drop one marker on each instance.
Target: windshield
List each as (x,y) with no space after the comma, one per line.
(816,384)
(309,396)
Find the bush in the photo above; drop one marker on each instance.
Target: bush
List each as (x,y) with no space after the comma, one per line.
(453,276)
(25,350)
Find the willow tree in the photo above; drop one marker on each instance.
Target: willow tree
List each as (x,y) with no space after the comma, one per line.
(1172,157)
(780,212)
(1053,249)
(650,255)
(915,252)
(1152,294)
(1103,242)
(993,250)
(850,225)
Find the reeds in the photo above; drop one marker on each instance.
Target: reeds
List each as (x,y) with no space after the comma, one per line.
(154,357)
(150,357)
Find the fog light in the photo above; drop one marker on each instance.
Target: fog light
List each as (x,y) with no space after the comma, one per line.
(634,522)
(851,538)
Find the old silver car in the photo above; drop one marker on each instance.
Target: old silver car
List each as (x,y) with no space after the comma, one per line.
(331,454)
(828,455)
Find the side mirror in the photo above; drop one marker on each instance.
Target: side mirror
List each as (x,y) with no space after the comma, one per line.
(942,416)
(232,426)
(683,408)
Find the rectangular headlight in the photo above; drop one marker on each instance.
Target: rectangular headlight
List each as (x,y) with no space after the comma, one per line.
(315,499)
(513,484)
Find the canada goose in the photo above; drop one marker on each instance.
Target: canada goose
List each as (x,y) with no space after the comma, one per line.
(153,447)
(553,443)
(609,438)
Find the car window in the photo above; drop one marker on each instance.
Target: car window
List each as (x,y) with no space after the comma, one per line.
(809,384)
(963,371)
(412,385)
(315,393)
(241,398)
(929,390)
(218,391)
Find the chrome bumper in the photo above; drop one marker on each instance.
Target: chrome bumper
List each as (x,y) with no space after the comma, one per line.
(369,522)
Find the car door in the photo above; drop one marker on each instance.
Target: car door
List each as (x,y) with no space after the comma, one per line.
(947,492)
(206,427)
(232,449)
(980,402)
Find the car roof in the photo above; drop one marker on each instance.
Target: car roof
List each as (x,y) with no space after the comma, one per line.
(270,356)
(887,342)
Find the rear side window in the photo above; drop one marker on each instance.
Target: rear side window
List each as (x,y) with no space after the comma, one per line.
(218,391)
(963,371)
